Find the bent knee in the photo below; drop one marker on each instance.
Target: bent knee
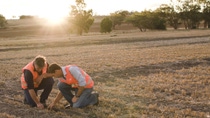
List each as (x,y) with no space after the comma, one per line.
(60,85)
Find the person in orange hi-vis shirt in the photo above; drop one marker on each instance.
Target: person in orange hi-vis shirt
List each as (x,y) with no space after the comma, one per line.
(73,78)
(35,77)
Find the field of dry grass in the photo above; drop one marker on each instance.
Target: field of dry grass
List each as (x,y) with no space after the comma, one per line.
(152,74)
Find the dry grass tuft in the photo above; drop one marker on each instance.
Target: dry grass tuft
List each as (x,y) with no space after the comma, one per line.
(5,115)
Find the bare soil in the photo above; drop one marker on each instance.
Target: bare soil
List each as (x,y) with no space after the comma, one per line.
(138,74)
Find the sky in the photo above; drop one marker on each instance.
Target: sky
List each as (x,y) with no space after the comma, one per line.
(60,8)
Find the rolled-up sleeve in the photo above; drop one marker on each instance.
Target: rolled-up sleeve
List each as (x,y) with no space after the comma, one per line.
(75,71)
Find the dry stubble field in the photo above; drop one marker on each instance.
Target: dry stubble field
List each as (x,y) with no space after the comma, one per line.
(138,75)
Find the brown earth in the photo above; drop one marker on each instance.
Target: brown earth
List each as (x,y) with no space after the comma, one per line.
(138,74)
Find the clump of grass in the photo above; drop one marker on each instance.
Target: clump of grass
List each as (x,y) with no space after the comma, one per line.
(113,35)
(2,84)
(5,115)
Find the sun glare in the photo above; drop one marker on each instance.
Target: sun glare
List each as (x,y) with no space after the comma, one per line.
(54,11)
(54,20)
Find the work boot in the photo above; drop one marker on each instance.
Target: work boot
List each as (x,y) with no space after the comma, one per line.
(97,95)
(68,106)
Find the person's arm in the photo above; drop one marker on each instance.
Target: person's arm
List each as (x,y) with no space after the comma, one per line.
(34,97)
(75,71)
(44,75)
(79,92)
(41,77)
(29,79)
(56,100)
(30,84)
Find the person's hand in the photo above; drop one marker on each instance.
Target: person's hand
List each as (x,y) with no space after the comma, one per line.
(51,106)
(46,75)
(74,99)
(40,105)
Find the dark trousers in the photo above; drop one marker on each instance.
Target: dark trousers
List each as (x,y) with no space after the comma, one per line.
(46,85)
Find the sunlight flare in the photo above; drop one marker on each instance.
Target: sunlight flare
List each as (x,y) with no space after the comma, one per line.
(54,11)
(54,20)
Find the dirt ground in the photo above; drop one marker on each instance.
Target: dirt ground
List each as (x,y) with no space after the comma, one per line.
(138,74)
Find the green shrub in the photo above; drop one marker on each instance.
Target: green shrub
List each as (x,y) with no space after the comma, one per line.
(106,25)
(3,21)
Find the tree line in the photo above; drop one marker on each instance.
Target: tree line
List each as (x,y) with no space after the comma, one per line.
(187,13)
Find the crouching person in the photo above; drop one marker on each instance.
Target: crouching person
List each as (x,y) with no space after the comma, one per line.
(34,78)
(73,78)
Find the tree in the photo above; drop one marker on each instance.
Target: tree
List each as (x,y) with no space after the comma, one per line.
(106,25)
(169,13)
(158,23)
(80,18)
(118,17)
(206,12)
(138,20)
(26,17)
(190,13)
(3,21)
(146,20)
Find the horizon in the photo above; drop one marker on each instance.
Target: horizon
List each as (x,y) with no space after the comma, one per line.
(56,11)
(13,9)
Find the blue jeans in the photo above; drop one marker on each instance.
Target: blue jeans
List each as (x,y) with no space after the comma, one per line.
(46,84)
(86,98)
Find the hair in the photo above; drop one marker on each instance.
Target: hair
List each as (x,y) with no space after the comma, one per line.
(40,61)
(53,67)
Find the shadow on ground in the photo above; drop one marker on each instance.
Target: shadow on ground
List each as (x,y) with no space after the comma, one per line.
(145,70)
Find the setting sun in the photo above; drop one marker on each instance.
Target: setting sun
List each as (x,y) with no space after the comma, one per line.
(53,11)
(53,18)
